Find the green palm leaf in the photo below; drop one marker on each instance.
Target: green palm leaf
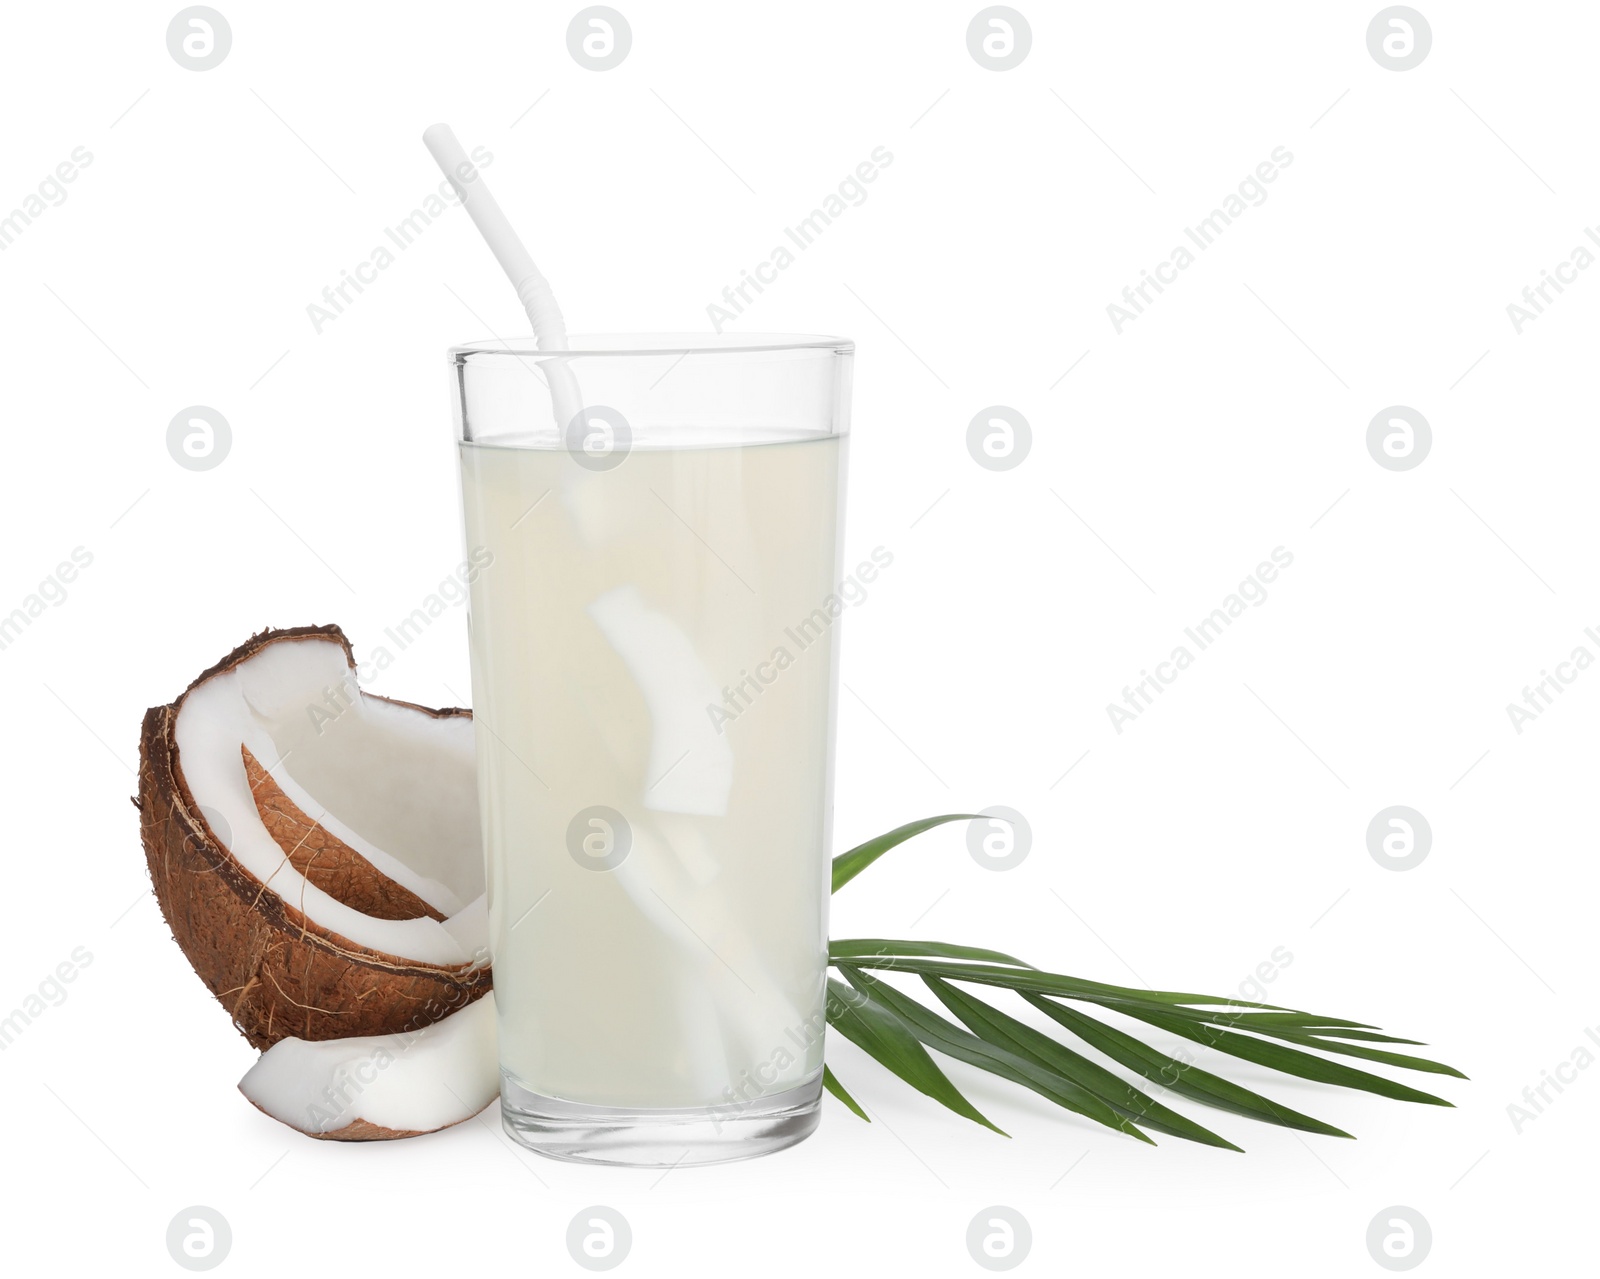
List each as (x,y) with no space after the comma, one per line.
(878,1032)
(846,866)
(1404,1060)
(873,949)
(1044,983)
(893,1027)
(994,1026)
(1291,1061)
(1181,1077)
(832,1084)
(951,1040)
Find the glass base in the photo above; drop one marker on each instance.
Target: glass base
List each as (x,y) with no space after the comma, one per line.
(580,1133)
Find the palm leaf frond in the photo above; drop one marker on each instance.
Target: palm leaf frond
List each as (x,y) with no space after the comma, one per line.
(897,1030)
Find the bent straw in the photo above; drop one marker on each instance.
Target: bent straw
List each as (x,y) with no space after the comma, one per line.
(533,290)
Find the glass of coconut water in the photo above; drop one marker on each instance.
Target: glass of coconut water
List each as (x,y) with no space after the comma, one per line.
(654,670)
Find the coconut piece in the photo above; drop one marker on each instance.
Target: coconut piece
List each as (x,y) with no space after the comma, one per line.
(325,859)
(376,1088)
(691,759)
(390,785)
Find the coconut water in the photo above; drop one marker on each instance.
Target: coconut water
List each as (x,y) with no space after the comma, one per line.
(653,649)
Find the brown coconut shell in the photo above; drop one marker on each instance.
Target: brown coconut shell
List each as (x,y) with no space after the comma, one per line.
(361,1130)
(277,972)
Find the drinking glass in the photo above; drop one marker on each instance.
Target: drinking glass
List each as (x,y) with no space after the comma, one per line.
(657,524)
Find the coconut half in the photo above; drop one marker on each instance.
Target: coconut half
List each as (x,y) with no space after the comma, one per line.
(315,851)
(380,1087)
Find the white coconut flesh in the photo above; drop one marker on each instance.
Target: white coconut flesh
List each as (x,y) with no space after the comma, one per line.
(396,784)
(382,1085)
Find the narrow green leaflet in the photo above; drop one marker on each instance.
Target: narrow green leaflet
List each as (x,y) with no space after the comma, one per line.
(872,947)
(950,1039)
(1181,1077)
(1060,984)
(876,1031)
(1308,1023)
(997,1028)
(846,866)
(1002,970)
(832,1084)
(1316,1025)
(1339,1032)
(1403,1060)
(1291,1061)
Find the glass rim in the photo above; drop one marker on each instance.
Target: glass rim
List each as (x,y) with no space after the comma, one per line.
(592,345)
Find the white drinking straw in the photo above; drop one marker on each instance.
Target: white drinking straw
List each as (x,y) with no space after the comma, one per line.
(533,290)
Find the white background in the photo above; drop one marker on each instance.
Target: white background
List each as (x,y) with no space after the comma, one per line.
(1229,419)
